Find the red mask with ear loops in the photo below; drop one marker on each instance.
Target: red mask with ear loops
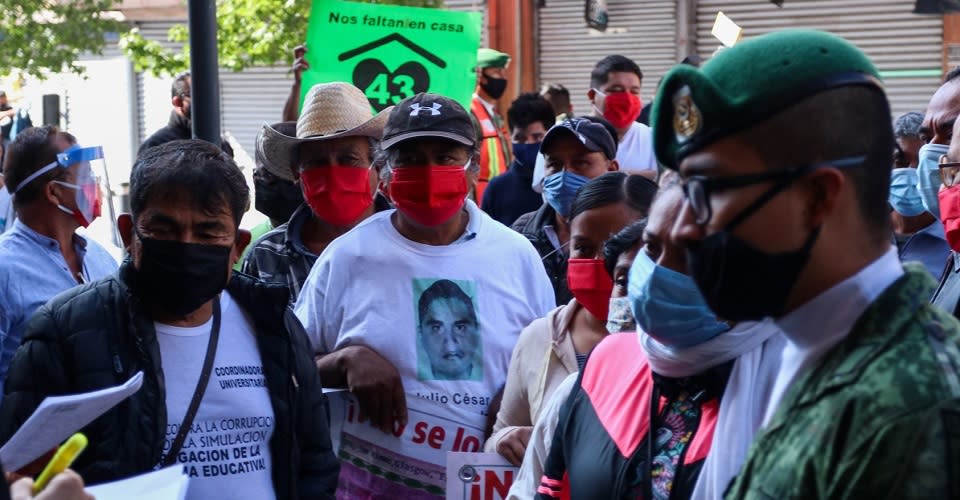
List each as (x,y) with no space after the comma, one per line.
(590,284)
(429,195)
(337,194)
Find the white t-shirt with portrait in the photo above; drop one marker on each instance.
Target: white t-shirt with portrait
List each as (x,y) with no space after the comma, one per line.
(635,152)
(447,317)
(227,452)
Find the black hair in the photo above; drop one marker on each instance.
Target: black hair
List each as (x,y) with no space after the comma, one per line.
(692,60)
(33,149)
(180,87)
(530,107)
(444,289)
(601,72)
(558,96)
(786,140)
(615,187)
(621,242)
(193,169)
(952,75)
(607,125)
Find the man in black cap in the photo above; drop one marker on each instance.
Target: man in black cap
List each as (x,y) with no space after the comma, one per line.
(426,300)
(575,151)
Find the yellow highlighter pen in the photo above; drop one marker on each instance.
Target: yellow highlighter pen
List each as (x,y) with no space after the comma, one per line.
(65,456)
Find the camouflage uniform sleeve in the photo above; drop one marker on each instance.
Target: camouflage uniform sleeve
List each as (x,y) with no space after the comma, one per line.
(914,456)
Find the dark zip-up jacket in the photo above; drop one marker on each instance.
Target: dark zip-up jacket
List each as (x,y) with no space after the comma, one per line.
(554,261)
(600,448)
(99,335)
(178,128)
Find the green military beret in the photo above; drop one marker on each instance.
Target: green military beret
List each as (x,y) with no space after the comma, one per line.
(489,58)
(747,84)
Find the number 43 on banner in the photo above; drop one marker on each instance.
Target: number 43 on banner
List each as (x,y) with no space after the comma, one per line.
(392,52)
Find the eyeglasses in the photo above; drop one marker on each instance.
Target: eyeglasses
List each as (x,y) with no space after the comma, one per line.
(948,170)
(697,189)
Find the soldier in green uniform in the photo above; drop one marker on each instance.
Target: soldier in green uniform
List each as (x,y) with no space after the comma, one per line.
(783,144)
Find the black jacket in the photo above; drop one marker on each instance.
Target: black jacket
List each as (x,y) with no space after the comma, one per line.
(555,262)
(98,335)
(178,128)
(509,195)
(947,295)
(601,445)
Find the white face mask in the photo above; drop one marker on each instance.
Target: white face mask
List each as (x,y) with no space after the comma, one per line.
(620,316)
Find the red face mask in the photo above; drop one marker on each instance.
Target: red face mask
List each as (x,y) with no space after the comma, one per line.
(337,194)
(950,215)
(429,195)
(621,108)
(590,284)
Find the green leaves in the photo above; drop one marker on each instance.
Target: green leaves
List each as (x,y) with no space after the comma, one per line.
(40,37)
(249,33)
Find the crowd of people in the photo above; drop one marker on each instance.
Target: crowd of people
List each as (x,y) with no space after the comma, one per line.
(739,300)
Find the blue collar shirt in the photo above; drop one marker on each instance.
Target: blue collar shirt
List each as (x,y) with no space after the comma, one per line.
(33,271)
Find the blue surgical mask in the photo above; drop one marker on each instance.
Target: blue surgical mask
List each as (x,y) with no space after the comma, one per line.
(561,188)
(928,176)
(620,316)
(526,154)
(904,195)
(669,307)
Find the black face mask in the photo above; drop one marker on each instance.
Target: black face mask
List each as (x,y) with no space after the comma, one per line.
(742,283)
(495,87)
(739,282)
(180,277)
(277,200)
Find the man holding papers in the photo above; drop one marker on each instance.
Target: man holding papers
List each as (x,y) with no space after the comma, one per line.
(230,391)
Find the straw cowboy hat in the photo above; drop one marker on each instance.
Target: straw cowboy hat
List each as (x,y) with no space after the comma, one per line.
(330,111)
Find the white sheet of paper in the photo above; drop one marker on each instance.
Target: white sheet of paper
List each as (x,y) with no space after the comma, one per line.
(727,31)
(57,418)
(164,484)
(478,475)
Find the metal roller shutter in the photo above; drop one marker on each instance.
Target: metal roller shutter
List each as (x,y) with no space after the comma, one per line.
(153,93)
(472,6)
(250,97)
(906,47)
(247,98)
(643,31)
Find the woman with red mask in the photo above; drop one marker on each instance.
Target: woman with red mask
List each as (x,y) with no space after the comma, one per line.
(555,346)
(331,158)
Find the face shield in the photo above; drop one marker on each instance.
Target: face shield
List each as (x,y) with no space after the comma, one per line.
(90,169)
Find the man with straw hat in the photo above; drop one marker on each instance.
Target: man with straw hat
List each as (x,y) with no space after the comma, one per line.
(423,302)
(331,157)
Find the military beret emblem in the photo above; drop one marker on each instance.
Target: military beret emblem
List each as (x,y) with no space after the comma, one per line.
(687,119)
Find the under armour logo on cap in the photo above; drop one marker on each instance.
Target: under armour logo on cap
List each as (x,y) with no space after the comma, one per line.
(434,109)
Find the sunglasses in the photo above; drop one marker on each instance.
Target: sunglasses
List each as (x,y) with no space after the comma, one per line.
(948,171)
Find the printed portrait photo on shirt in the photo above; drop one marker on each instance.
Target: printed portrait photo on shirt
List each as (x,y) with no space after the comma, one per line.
(449,346)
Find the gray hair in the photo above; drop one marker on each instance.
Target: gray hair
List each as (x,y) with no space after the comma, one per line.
(383,161)
(908,125)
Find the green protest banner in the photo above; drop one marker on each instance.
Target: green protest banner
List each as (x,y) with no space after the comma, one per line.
(392,52)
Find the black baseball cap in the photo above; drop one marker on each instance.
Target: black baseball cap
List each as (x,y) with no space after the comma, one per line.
(592,135)
(428,115)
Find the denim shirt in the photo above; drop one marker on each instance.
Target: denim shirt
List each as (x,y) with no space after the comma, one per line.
(929,247)
(33,271)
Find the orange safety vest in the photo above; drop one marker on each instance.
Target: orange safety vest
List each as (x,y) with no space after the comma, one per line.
(494,155)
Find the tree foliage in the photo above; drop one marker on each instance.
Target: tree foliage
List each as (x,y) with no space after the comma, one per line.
(249,33)
(39,37)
